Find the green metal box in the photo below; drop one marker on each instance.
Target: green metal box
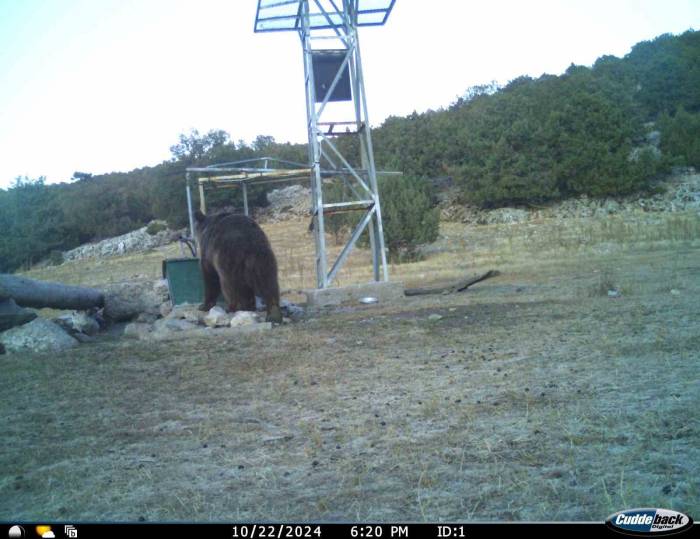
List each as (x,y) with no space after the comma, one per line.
(184,278)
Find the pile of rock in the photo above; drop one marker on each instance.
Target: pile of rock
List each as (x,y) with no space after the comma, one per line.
(185,320)
(137,240)
(287,203)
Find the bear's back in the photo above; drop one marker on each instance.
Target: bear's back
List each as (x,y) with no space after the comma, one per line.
(234,232)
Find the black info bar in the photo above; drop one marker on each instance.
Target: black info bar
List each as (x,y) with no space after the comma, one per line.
(86,530)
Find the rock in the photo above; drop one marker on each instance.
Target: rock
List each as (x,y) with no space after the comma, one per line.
(614,293)
(187,311)
(173,324)
(217,317)
(434,317)
(146,318)
(39,335)
(166,327)
(78,322)
(165,308)
(675,292)
(243,318)
(137,330)
(12,315)
(291,310)
(125,301)
(160,287)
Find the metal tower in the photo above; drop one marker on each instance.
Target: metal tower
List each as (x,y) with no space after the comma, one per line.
(334,80)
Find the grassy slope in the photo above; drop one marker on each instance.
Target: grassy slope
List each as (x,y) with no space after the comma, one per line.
(535,397)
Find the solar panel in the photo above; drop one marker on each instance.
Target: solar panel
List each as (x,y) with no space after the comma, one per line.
(283,15)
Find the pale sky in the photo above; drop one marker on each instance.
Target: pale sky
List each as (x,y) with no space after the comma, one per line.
(108,85)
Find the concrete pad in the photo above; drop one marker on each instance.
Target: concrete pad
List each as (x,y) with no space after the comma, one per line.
(385,292)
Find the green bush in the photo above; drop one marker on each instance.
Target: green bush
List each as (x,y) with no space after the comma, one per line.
(156,226)
(408,215)
(680,137)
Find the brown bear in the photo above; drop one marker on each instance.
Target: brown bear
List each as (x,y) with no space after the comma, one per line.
(237,260)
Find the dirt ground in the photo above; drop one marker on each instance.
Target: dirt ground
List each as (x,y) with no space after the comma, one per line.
(536,396)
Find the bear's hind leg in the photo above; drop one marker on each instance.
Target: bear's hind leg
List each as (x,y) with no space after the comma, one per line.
(246,299)
(270,293)
(230,292)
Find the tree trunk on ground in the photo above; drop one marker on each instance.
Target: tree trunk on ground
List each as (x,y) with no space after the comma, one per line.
(31,293)
(459,286)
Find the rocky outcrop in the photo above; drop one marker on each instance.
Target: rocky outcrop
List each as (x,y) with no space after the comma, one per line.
(137,240)
(681,193)
(289,202)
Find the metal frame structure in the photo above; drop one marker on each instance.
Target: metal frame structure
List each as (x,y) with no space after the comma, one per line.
(325,25)
(256,171)
(241,174)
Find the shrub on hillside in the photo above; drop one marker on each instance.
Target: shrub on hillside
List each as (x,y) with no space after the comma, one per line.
(680,137)
(408,215)
(156,226)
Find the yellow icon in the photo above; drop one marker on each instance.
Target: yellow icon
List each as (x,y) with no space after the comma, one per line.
(45,532)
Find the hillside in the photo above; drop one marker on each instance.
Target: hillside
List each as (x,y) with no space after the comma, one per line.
(612,129)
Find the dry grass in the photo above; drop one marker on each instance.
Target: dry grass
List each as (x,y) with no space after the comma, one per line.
(535,397)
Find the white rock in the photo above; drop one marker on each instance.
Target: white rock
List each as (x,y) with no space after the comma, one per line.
(217,317)
(243,318)
(165,308)
(187,311)
(78,322)
(435,317)
(39,335)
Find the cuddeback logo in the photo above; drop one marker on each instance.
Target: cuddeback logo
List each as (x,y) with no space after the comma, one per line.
(649,521)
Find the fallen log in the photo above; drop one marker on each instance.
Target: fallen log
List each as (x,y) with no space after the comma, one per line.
(32,293)
(452,288)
